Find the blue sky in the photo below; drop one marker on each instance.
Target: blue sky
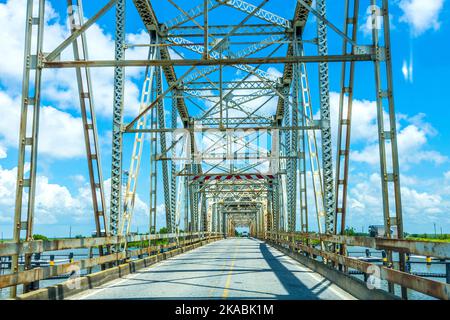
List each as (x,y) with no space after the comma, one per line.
(420,43)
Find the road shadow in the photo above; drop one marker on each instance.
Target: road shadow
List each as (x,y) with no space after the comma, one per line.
(296,289)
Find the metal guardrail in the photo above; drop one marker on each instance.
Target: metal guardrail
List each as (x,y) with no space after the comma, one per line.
(295,241)
(39,246)
(439,250)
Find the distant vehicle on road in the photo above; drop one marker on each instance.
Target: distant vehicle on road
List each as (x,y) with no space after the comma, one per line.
(379,231)
(245,234)
(102,233)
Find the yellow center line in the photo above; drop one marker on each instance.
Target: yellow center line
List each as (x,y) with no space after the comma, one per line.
(211,291)
(229,275)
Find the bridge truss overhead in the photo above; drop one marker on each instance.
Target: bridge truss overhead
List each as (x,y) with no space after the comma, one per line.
(235,113)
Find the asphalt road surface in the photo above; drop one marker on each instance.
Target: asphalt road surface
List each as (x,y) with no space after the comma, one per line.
(234,268)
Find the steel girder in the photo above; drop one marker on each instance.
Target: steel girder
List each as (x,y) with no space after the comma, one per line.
(148,17)
(299,21)
(136,157)
(387,131)
(222,30)
(327,148)
(258,12)
(28,141)
(88,115)
(170,212)
(345,117)
(173,186)
(116,158)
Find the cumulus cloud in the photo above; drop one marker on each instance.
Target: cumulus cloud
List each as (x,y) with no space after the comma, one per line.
(419,207)
(56,203)
(60,84)
(413,135)
(60,134)
(61,130)
(421,15)
(447,175)
(425,195)
(412,148)
(52,200)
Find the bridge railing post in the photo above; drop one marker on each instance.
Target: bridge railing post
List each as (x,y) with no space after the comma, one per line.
(447,272)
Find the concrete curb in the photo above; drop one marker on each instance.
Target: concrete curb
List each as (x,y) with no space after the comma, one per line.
(69,288)
(354,286)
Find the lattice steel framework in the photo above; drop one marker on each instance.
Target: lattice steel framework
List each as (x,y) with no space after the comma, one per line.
(235,149)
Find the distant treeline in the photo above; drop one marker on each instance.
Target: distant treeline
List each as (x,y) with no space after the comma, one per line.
(445,237)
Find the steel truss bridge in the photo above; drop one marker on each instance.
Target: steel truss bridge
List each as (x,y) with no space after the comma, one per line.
(233,143)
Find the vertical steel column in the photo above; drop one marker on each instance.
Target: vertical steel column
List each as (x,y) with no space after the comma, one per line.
(291,119)
(195,198)
(153,171)
(294,154)
(89,122)
(344,124)
(213,216)
(313,151)
(186,203)
(205,31)
(136,156)
(269,223)
(173,165)
(276,207)
(327,150)
(298,101)
(116,158)
(345,117)
(203,213)
(387,138)
(170,213)
(28,141)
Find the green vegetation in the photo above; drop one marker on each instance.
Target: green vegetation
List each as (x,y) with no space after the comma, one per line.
(350,231)
(137,244)
(163,230)
(428,237)
(40,237)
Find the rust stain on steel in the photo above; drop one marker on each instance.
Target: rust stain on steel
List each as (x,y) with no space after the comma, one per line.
(39,246)
(429,287)
(43,273)
(439,250)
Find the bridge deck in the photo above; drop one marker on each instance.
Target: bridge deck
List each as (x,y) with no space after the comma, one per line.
(235,268)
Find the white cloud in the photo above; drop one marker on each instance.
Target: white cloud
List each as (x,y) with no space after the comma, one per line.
(59,84)
(3,153)
(60,133)
(56,204)
(367,26)
(419,207)
(53,201)
(421,15)
(447,175)
(412,149)
(364,115)
(412,137)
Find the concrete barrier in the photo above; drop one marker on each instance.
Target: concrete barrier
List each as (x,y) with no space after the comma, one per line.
(71,287)
(352,285)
